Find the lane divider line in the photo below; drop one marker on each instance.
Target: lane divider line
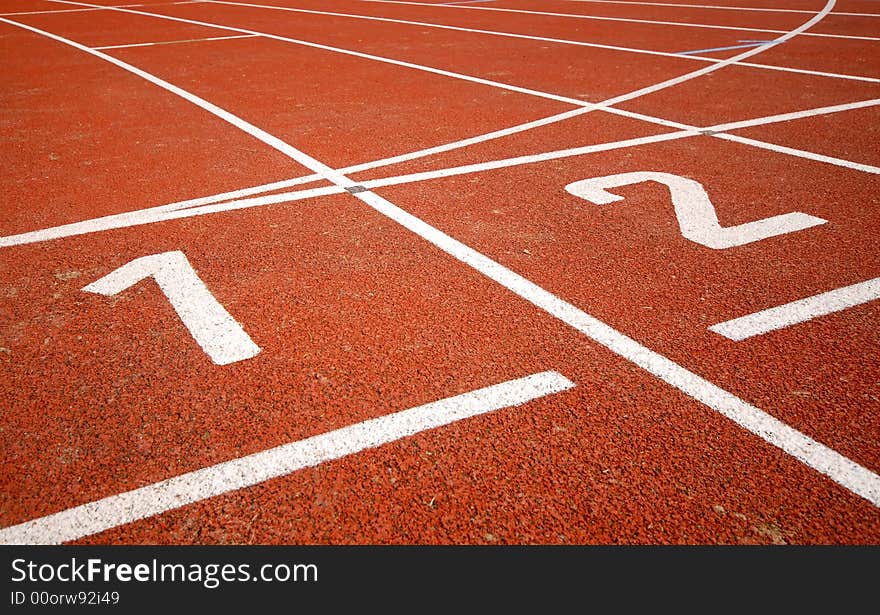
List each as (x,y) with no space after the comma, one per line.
(847,473)
(709,6)
(98,8)
(190,40)
(800,311)
(230,201)
(799,153)
(667,54)
(113,511)
(683,24)
(168,212)
(604,106)
(795,115)
(761,44)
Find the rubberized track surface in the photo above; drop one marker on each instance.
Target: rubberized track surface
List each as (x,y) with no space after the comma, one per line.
(299,272)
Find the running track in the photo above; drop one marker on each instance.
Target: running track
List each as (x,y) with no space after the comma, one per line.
(368,272)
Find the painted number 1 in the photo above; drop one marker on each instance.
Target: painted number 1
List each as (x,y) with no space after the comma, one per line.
(695,212)
(219,335)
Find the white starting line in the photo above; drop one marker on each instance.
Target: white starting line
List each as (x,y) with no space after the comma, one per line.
(800,311)
(116,510)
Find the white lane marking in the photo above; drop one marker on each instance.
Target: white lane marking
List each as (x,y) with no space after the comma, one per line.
(791,151)
(537,93)
(195,207)
(802,71)
(684,24)
(103,8)
(596,45)
(156,214)
(708,6)
(847,473)
(189,40)
(233,202)
(799,311)
(600,106)
(212,327)
(96,8)
(520,160)
(796,115)
(175,212)
(852,476)
(116,510)
(696,215)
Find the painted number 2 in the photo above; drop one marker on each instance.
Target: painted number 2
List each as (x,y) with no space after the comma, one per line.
(695,212)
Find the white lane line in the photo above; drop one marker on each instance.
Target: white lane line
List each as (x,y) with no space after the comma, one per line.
(189,40)
(547,95)
(233,200)
(799,311)
(116,510)
(709,6)
(789,69)
(786,35)
(791,151)
(683,24)
(96,8)
(51,12)
(156,214)
(172,212)
(847,473)
(796,115)
(520,160)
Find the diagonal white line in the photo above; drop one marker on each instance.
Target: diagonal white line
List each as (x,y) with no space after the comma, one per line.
(682,24)
(711,6)
(189,40)
(799,311)
(796,115)
(116,510)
